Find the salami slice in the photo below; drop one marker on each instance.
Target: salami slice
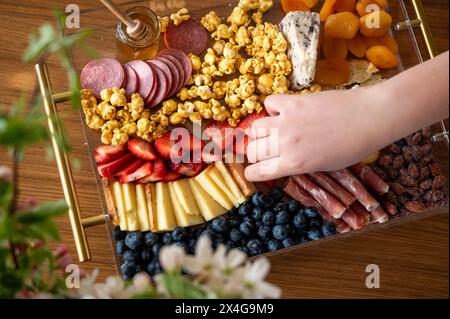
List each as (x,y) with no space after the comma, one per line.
(145,75)
(174,72)
(163,67)
(102,74)
(190,37)
(162,85)
(148,101)
(183,59)
(180,70)
(132,83)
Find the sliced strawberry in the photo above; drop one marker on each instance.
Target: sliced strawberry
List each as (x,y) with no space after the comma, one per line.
(131,168)
(159,173)
(111,169)
(187,169)
(142,150)
(241,141)
(219,133)
(164,146)
(144,171)
(248,121)
(107,153)
(171,177)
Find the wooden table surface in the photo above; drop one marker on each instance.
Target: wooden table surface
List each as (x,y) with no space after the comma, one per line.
(413,257)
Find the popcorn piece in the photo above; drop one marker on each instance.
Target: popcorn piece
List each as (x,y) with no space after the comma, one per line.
(211,21)
(119,138)
(107,137)
(265,5)
(107,111)
(177,119)
(233,100)
(203,79)
(238,17)
(195,117)
(106,94)
(242,37)
(94,121)
(164,23)
(210,57)
(129,128)
(257,17)
(219,89)
(265,83)
(281,84)
(230,51)
(145,126)
(252,104)
(118,98)
(111,125)
(180,16)
(246,86)
(196,62)
(227,66)
(169,106)
(248,5)
(219,47)
(222,32)
(85,94)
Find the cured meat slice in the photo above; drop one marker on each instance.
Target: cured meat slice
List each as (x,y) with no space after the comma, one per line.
(379,216)
(167,74)
(357,216)
(325,199)
(190,37)
(370,178)
(330,185)
(132,83)
(102,74)
(174,74)
(183,59)
(341,226)
(180,70)
(154,91)
(354,186)
(162,85)
(145,75)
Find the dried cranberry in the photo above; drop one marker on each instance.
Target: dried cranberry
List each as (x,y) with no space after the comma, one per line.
(394,149)
(408,181)
(426,160)
(403,199)
(413,171)
(415,192)
(426,185)
(424,173)
(398,188)
(392,173)
(434,169)
(392,197)
(398,162)
(408,153)
(416,207)
(391,208)
(434,196)
(380,172)
(438,182)
(426,133)
(385,160)
(414,139)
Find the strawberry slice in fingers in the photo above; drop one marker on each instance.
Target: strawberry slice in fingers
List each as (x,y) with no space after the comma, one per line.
(159,173)
(144,171)
(142,150)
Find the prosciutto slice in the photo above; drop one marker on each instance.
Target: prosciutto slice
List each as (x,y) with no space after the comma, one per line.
(347,180)
(370,178)
(325,199)
(356,220)
(330,185)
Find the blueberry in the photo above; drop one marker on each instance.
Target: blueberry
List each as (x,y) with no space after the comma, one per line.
(218,239)
(234,221)
(235,235)
(257,213)
(246,228)
(258,223)
(255,247)
(199,231)
(328,229)
(118,234)
(274,245)
(134,240)
(257,199)
(179,234)
(280,232)
(181,245)
(268,218)
(151,239)
(294,206)
(191,245)
(245,209)
(311,212)
(300,221)
(155,250)
(167,239)
(288,242)
(267,201)
(304,239)
(282,217)
(209,233)
(131,255)
(314,234)
(230,245)
(220,225)
(315,223)
(121,247)
(248,219)
(278,207)
(128,269)
(150,268)
(277,193)
(146,255)
(264,232)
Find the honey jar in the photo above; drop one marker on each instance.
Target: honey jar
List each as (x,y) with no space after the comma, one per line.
(129,48)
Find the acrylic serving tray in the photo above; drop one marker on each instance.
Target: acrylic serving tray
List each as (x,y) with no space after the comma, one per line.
(410,29)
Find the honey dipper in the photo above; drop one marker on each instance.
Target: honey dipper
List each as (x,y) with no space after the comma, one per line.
(135,28)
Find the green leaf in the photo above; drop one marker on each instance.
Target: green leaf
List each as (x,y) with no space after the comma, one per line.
(180,287)
(43,212)
(7,225)
(39,45)
(20,131)
(88,49)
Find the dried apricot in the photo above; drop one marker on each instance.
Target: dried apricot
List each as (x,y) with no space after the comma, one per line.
(357,46)
(345,5)
(382,57)
(332,72)
(363,9)
(311,3)
(387,40)
(334,47)
(327,9)
(375,24)
(294,5)
(343,25)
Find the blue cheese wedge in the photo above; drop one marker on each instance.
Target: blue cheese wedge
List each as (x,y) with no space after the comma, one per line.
(301,30)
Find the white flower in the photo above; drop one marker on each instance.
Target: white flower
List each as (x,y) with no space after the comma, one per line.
(6,173)
(141,282)
(172,257)
(202,262)
(254,285)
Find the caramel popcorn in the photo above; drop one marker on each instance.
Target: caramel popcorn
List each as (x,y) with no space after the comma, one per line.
(211,21)
(196,62)
(238,17)
(180,16)
(164,23)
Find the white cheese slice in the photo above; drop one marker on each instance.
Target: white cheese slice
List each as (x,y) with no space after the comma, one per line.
(301,30)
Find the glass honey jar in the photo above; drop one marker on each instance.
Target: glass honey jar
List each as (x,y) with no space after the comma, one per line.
(129,48)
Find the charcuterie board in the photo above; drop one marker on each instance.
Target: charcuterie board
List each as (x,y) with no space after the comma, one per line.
(311,217)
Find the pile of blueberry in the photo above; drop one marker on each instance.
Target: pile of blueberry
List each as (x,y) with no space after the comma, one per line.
(264,224)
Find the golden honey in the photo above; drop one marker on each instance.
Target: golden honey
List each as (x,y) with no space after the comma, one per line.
(128,48)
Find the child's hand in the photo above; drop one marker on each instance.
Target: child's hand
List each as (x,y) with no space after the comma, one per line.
(316,132)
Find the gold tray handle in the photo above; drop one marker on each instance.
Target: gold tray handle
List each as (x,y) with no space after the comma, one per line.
(64,167)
